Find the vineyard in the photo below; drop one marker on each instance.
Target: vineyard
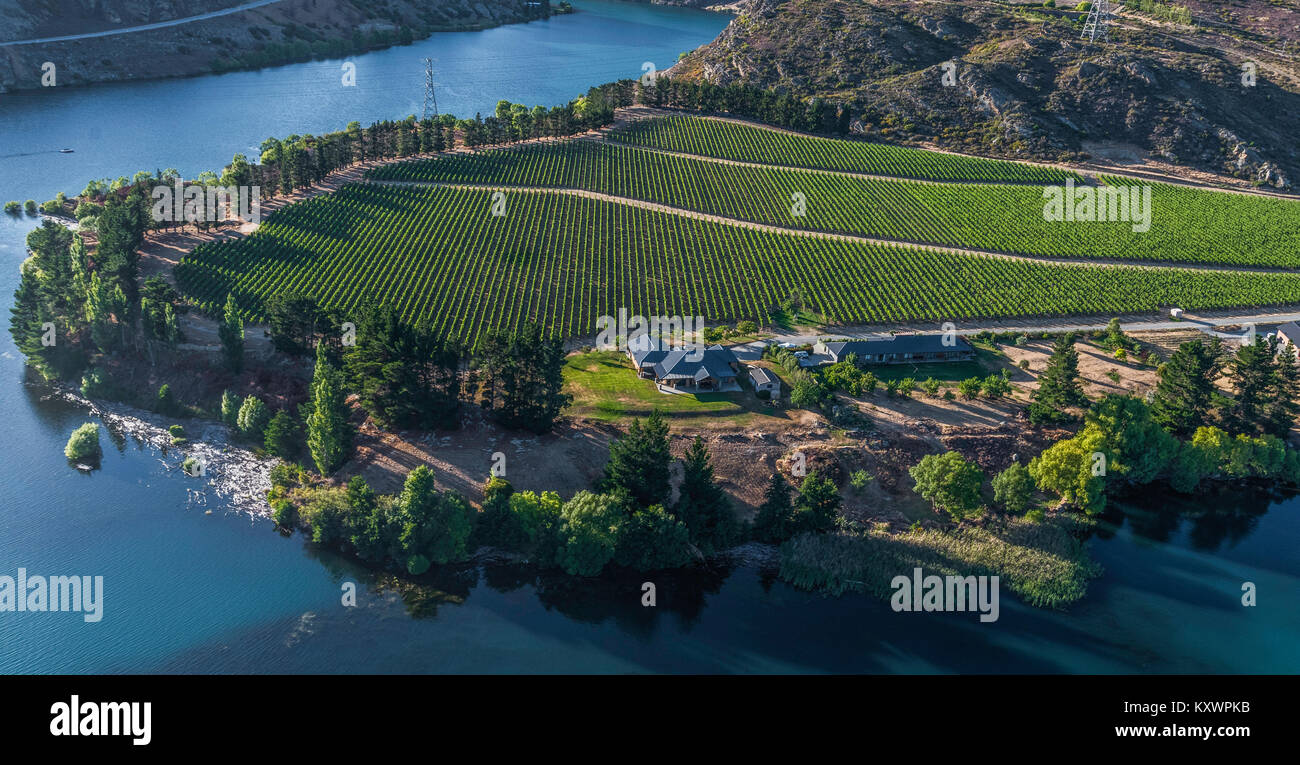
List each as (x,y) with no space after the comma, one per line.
(1187,225)
(747,143)
(439,253)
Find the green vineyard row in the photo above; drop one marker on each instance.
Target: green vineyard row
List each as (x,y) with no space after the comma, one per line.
(1186,225)
(440,254)
(749,143)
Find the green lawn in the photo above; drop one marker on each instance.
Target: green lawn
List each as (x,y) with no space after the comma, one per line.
(985,363)
(605,387)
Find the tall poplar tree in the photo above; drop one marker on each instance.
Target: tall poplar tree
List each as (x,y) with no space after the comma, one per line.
(231,331)
(329,434)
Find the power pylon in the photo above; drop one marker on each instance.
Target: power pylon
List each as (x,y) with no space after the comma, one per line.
(1097,25)
(429,98)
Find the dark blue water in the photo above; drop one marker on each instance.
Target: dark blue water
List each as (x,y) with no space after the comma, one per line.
(188,591)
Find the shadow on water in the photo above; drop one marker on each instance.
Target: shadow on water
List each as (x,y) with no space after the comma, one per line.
(1168,565)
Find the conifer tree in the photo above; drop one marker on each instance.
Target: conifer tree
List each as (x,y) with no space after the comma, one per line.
(1059,386)
(1254,378)
(772,523)
(639,462)
(701,503)
(1285,407)
(329,434)
(231,332)
(1184,395)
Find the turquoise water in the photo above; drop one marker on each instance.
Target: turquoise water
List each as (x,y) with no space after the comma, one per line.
(186,591)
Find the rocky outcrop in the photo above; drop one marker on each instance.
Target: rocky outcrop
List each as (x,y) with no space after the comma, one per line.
(983,78)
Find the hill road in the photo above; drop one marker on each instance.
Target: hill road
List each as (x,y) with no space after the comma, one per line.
(143,27)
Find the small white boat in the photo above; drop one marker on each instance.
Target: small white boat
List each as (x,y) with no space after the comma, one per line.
(65,151)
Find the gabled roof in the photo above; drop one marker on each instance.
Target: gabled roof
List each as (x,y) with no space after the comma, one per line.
(898,344)
(761,376)
(641,358)
(696,364)
(1290,330)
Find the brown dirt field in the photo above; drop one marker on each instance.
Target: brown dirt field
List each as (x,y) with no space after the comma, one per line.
(1094,364)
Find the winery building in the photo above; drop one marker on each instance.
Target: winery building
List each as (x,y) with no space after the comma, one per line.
(899,349)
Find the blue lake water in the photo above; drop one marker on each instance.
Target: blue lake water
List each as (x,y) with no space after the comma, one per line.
(187,591)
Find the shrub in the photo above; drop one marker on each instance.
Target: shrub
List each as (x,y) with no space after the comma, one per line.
(859,480)
(950,483)
(253,416)
(192,466)
(93,384)
(30,206)
(284,513)
(13,208)
(589,534)
(230,409)
(83,444)
(165,403)
(178,434)
(1013,488)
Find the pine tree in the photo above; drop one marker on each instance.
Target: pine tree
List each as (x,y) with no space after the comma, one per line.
(701,503)
(773,521)
(1184,395)
(282,436)
(329,434)
(1254,381)
(524,377)
(231,332)
(1059,386)
(405,376)
(1285,407)
(639,462)
(817,506)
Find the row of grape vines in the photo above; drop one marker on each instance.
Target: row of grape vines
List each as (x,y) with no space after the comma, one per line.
(749,143)
(1185,225)
(440,254)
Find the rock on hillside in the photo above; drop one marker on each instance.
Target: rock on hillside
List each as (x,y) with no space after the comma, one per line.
(1017,81)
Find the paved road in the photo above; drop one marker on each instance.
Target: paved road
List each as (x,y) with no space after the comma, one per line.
(1261,320)
(144,27)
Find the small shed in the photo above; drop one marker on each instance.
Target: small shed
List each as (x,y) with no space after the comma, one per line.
(765,380)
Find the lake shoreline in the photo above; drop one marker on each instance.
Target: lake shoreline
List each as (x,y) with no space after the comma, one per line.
(238,477)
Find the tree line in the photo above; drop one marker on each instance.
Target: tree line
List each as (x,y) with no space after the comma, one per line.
(783,109)
(630,518)
(1186,432)
(404,375)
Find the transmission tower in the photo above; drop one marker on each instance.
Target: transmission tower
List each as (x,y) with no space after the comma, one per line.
(429,98)
(1097,25)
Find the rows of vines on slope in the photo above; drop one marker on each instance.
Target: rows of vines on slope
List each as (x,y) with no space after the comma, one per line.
(1187,225)
(439,254)
(749,143)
